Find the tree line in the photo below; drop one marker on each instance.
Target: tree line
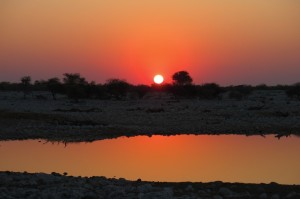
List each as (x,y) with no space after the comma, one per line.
(76,87)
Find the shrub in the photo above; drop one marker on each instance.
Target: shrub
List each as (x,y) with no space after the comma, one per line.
(209,91)
(26,85)
(54,86)
(117,88)
(187,90)
(141,90)
(240,92)
(74,86)
(293,91)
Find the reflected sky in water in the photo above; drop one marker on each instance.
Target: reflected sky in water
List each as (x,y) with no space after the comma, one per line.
(204,158)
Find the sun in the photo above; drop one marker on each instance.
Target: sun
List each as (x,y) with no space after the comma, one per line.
(158,79)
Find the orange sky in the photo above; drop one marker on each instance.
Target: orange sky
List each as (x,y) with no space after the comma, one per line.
(227,42)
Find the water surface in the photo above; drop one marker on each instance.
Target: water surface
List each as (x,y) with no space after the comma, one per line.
(204,158)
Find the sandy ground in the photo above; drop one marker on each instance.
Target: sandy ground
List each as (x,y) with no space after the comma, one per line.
(263,112)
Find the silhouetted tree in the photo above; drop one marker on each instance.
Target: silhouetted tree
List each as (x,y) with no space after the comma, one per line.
(74,85)
(262,87)
(5,86)
(293,91)
(95,91)
(26,83)
(74,79)
(40,85)
(117,88)
(182,78)
(54,86)
(240,92)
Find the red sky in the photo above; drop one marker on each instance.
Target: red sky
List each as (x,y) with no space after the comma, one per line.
(227,42)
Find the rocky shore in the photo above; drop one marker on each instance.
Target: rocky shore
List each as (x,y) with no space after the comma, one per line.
(263,112)
(44,186)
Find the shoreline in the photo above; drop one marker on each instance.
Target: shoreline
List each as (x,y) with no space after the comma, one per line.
(41,185)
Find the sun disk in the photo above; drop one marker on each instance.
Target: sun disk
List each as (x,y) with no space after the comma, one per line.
(158,79)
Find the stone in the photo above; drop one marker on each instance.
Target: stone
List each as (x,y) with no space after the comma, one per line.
(168,191)
(263,196)
(225,192)
(90,196)
(217,197)
(293,195)
(189,188)
(145,188)
(275,196)
(117,194)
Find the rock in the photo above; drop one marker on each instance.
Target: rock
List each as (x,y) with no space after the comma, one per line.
(89,196)
(110,188)
(263,196)
(189,188)
(151,195)
(145,188)
(117,194)
(6,181)
(260,190)
(217,197)
(204,194)
(293,195)
(275,196)
(225,192)
(168,191)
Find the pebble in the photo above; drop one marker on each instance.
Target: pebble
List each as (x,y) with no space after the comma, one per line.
(263,196)
(225,192)
(217,197)
(275,196)
(26,185)
(189,188)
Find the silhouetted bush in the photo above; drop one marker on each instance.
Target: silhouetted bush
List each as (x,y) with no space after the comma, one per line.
(240,92)
(96,91)
(117,88)
(187,91)
(74,86)
(262,87)
(280,87)
(165,87)
(54,86)
(141,90)
(39,85)
(26,85)
(293,91)
(5,86)
(209,91)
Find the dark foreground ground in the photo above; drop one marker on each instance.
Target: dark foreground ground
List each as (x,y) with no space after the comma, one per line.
(263,112)
(40,185)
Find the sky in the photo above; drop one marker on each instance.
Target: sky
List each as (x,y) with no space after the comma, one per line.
(227,42)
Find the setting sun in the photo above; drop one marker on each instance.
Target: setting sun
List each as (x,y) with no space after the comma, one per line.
(158,79)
